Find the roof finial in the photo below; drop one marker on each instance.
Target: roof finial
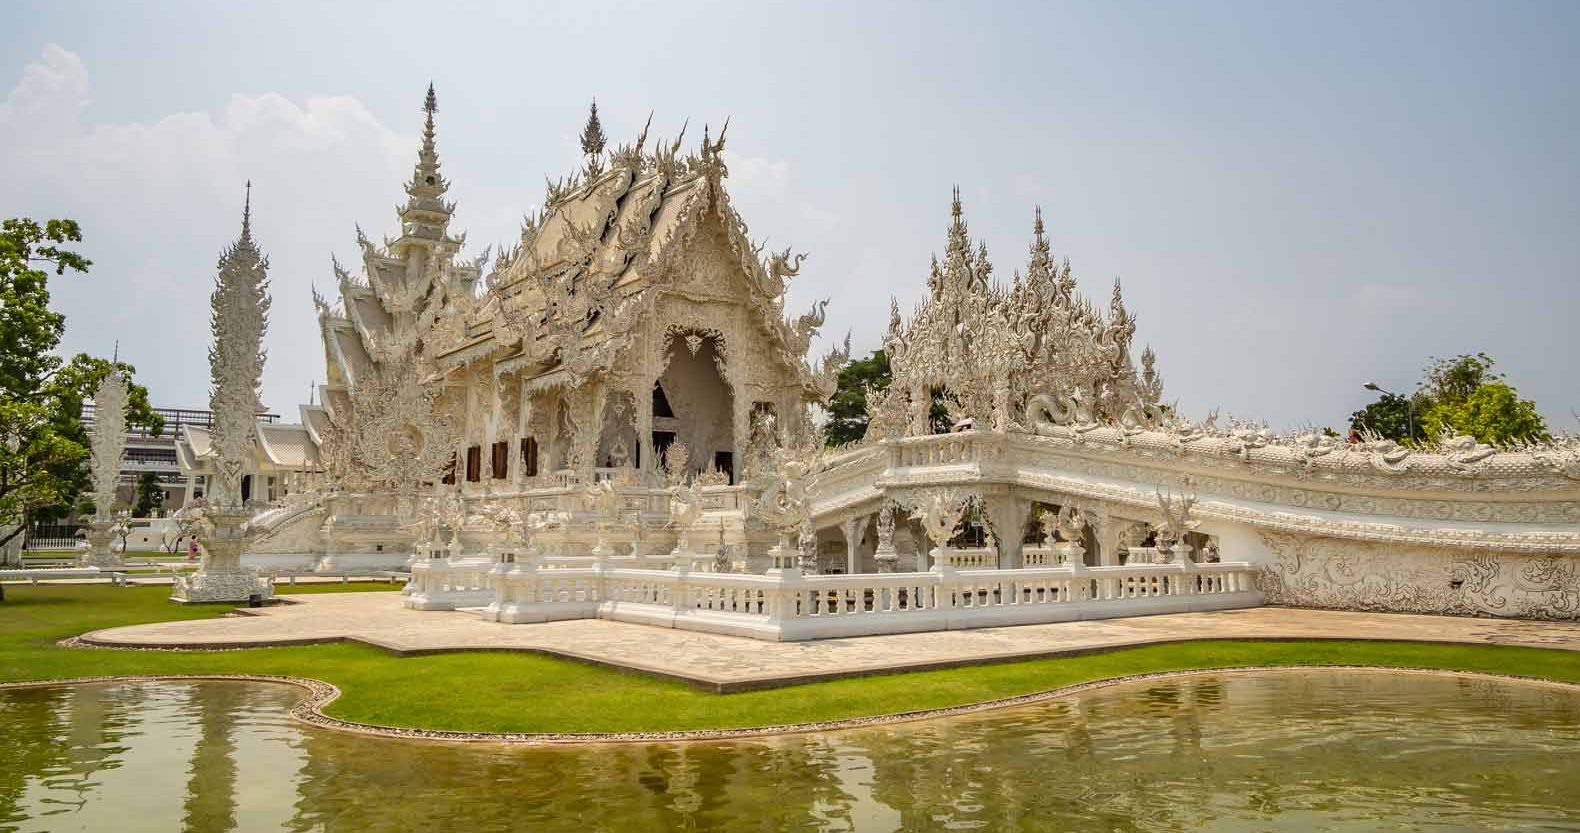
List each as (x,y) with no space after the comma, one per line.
(954,205)
(593,141)
(430,105)
(1037,228)
(246,213)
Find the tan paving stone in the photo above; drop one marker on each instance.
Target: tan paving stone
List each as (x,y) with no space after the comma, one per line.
(734,662)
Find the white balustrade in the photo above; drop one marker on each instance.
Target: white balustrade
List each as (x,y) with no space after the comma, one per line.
(787,606)
(973,558)
(447,584)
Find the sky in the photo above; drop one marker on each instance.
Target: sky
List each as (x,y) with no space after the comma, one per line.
(1298,198)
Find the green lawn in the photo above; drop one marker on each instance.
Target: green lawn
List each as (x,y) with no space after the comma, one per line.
(524,693)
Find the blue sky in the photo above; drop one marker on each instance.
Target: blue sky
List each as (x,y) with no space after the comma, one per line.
(1298,198)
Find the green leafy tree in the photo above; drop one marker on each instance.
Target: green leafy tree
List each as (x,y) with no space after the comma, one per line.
(150,498)
(1461,394)
(1391,416)
(847,409)
(43,446)
(1493,413)
(1468,397)
(1453,380)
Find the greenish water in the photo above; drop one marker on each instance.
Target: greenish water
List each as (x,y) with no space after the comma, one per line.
(1303,750)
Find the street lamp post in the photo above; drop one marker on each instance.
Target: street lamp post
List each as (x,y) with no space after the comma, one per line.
(1409,405)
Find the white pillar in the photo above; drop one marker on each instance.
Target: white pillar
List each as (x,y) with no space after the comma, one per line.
(854,529)
(1007,513)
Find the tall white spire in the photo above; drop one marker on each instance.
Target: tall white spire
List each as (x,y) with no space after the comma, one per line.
(426,215)
(239,316)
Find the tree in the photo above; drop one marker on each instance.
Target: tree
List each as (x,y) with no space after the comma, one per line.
(1392,417)
(150,497)
(847,409)
(1493,413)
(1468,397)
(1462,395)
(42,441)
(1453,380)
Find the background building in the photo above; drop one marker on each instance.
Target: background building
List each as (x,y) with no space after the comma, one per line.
(146,452)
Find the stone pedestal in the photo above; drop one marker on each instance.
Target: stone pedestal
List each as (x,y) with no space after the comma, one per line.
(887,559)
(221,578)
(784,554)
(100,554)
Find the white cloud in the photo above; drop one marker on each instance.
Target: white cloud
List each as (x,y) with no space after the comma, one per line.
(760,178)
(159,199)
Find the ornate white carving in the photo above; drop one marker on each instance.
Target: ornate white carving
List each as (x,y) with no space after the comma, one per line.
(240,307)
(1351,575)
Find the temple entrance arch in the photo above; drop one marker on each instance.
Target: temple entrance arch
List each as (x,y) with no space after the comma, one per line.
(695,388)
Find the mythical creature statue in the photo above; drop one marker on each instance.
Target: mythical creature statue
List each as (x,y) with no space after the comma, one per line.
(685,509)
(1177,519)
(940,512)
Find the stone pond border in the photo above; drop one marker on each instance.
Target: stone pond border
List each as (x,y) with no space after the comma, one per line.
(321,694)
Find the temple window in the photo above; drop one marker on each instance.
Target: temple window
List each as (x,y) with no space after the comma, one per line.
(500,460)
(529,456)
(474,463)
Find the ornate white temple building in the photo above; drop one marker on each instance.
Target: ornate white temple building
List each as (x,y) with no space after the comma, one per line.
(624,389)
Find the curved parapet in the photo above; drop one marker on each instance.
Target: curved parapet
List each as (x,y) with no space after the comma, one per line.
(1464,529)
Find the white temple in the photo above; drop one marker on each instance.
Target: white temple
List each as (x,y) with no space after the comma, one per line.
(613,418)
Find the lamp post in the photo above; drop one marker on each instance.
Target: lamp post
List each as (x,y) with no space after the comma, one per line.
(1409,405)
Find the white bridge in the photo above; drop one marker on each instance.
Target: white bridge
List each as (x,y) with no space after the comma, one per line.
(1270,525)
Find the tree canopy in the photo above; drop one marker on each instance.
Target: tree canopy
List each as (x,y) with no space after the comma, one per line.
(150,497)
(1461,394)
(43,445)
(847,409)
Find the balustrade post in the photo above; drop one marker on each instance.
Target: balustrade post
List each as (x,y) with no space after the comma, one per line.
(680,595)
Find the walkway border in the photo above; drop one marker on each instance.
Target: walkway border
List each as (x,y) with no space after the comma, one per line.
(717,686)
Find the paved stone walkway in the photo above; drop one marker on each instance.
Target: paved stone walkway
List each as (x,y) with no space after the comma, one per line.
(732,663)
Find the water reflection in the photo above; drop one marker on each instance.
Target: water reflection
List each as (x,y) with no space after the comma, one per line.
(1279,751)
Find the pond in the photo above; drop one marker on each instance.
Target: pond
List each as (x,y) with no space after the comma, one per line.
(1284,750)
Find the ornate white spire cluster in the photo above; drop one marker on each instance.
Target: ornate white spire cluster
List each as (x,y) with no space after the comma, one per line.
(426,213)
(239,316)
(992,348)
(624,219)
(108,442)
(410,303)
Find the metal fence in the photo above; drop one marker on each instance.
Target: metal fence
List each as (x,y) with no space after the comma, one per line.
(53,536)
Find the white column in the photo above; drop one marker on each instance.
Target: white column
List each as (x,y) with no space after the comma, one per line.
(1007,513)
(853,529)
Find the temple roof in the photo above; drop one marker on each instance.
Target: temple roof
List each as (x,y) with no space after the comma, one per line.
(278,447)
(610,232)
